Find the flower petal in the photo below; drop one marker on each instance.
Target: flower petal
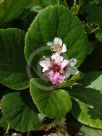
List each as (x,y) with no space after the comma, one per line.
(57,41)
(67,74)
(45,64)
(61,78)
(53,77)
(73,62)
(64,64)
(73,71)
(56,78)
(64,48)
(58,59)
(50,43)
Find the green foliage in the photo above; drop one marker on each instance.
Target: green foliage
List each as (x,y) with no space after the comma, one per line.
(95,17)
(88,100)
(50,102)
(20,112)
(90,131)
(34,103)
(3,121)
(10,9)
(40,4)
(99,36)
(12,62)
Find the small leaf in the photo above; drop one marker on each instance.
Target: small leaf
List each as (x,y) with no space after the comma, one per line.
(71,81)
(52,103)
(99,36)
(76,128)
(87,100)
(20,112)
(88,131)
(12,61)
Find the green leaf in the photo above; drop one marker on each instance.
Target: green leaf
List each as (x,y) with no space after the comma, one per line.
(3,121)
(93,62)
(99,36)
(10,9)
(40,4)
(76,128)
(87,100)
(20,112)
(12,61)
(52,103)
(55,21)
(94,13)
(88,131)
(71,81)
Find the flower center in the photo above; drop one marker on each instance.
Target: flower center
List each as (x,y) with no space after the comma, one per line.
(56,68)
(57,48)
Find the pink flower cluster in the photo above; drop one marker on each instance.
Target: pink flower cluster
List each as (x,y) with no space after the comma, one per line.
(57,68)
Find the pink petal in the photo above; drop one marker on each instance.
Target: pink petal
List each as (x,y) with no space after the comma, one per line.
(61,78)
(45,64)
(64,64)
(56,78)
(58,59)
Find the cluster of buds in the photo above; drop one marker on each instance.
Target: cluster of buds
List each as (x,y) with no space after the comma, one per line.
(57,68)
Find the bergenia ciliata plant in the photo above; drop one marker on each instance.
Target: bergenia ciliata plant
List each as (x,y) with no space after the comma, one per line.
(51,67)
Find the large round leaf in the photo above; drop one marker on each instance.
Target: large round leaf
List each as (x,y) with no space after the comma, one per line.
(56,21)
(52,103)
(87,100)
(12,60)
(10,9)
(20,112)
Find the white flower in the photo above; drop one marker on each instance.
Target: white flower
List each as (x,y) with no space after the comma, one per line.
(71,70)
(57,46)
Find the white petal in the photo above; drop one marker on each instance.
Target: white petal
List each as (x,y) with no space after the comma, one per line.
(67,74)
(58,59)
(73,71)
(50,43)
(73,62)
(64,64)
(57,41)
(64,48)
(45,69)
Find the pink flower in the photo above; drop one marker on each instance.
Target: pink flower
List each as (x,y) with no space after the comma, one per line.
(54,68)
